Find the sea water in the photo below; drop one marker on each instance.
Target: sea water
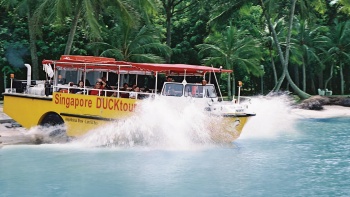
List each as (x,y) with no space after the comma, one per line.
(168,153)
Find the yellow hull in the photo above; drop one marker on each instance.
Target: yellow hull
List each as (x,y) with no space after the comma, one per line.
(229,129)
(82,113)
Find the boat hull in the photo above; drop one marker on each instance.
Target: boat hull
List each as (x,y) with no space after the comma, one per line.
(79,113)
(83,113)
(229,128)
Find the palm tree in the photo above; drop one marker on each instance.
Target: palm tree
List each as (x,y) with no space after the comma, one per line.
(132,45)
(339,49)
(307,43)
(89,12)
(284,58)
(171,9)
(233,48)
(272,9)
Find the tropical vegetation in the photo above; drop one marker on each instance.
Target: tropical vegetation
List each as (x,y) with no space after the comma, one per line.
(271,45)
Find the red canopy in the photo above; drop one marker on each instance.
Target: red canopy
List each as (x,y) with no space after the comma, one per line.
(177,68)
(69,62)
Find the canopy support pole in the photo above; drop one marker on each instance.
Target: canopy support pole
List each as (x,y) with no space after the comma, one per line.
(155,89)
(118,80)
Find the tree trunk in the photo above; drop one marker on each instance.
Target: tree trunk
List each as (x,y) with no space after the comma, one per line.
(168,31)
(273,68)
(72,31)
(33,49)
(278,46)
(330,77)
(296,75)
(299,92)
(320,79)
(341,79)
(279,82)
(304,75)
(313,87)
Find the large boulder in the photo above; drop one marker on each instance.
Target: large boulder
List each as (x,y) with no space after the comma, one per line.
(317,102)
(314,103)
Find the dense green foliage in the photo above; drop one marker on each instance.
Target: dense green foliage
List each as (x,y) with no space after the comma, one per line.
(295,45)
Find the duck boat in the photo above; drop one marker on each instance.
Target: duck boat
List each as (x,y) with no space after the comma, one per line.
(57,101)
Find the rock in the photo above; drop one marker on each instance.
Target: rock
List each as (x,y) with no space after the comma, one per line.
(317,102)
(345,102)
(313,103)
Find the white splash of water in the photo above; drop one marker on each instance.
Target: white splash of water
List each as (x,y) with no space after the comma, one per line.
(158,123)
(273,117)
(51,134)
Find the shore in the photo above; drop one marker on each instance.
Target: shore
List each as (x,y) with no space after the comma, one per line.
(328,111)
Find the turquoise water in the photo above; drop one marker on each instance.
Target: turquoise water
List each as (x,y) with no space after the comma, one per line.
(312,158)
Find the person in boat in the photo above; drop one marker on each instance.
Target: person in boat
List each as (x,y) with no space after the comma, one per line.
(61,80)
(97,89)
(169,79)
(80,88)
(125,88)
(106,84)
(135,93)
(201,89)
(133,87)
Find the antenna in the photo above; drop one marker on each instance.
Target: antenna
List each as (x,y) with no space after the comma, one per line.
(216,80)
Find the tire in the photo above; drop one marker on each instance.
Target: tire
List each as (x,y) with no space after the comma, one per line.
(53,119)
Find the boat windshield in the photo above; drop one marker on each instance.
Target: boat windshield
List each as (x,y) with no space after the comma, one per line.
(200,91)
(209,91)
(172,89)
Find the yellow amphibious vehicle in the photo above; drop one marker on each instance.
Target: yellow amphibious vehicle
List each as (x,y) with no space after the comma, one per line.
(56,101)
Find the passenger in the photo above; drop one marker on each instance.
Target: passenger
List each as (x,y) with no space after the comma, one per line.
(146,89)
(61,80)
(169,79)
(80,89)
(71,89)
(97,89)
(106,84)
(133,87)
(124,88)
(134,93)
(81,84)
(204,82)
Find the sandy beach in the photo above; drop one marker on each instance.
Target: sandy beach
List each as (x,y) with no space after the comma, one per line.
(329,111)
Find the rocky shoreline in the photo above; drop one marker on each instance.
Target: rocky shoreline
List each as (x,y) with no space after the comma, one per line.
(318,102)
